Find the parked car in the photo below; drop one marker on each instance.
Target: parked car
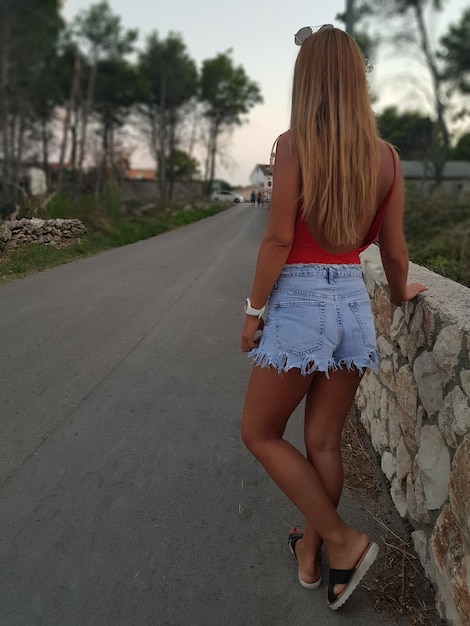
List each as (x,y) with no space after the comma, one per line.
(227,196)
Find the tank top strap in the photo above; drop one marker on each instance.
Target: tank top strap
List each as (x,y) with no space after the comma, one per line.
(379,215)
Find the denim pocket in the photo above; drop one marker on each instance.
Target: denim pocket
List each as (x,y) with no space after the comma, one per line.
(300,326)
(363,313)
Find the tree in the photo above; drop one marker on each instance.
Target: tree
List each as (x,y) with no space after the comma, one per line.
(456,53)
(71,62)
(359,14)
(115,94)
(226,94)
(461,151)
(99,36)
(181,166)
(29,31)
(410,132)
(169,88)
(415,31)
(52,84)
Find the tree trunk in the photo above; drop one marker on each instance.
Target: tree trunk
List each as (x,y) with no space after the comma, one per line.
(213,135)
(86,113)
(194,127)
(171,152)
(68,116)
(162,141)
(440,152)
(45,150)
(4,104)
(74,132)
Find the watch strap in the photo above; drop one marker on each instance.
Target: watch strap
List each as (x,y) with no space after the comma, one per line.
(250,310)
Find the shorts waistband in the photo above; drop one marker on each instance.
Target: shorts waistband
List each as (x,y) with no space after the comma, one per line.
(322,270)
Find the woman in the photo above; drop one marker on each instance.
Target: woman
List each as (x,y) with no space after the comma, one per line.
(336,187)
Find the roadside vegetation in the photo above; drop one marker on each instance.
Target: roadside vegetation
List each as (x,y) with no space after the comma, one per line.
(93,92)
(437,229)
(108,227)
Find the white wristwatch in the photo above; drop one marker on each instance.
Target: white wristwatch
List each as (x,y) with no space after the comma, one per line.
(249,310)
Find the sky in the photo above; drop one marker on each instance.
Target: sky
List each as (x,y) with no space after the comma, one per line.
(261,37)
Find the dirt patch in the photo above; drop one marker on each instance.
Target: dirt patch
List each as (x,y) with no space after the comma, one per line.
(399,585)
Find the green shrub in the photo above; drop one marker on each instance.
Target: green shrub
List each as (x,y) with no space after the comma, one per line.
(437,229)
(108,227)
(68,207)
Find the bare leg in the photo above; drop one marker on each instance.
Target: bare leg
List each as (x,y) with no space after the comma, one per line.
(271,397)
(326,408)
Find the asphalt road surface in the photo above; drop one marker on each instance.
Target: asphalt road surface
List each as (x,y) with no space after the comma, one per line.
(126,496)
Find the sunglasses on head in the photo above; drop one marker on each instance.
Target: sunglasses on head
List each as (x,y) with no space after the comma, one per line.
(305,32)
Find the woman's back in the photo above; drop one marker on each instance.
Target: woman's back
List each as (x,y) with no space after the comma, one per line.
(385,180)
(310,245)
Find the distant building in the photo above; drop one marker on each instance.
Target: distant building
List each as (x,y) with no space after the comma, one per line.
(262,178)
(32,181)
(260,175)
(141,174)
(36,180)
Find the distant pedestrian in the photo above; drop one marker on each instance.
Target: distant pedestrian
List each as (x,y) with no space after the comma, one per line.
(253,198)
(259,197)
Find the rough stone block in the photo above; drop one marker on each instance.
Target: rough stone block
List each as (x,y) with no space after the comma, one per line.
(416,499)
(394,428)
(446,351)
(465,379)
(416,336)
(384,346)
(407,398)
(452,563)
(454,416)
(429,382)
(421,546)
(387,374)
(403,460)
(383,310)
(459,489)
(433,461)
(388,464)
(398,496)
(406,390)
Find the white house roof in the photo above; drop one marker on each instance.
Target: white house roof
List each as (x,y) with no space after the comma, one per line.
(265,169)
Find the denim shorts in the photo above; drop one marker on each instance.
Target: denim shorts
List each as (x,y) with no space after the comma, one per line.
(319,319)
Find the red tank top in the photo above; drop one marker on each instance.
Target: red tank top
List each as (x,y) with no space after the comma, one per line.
(306,250)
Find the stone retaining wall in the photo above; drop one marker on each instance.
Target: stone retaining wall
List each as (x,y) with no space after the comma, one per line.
(416,409)
(57,232)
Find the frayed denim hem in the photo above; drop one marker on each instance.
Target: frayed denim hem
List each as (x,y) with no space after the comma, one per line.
(308,364)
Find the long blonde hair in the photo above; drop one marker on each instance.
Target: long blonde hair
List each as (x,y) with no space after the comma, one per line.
(335,135)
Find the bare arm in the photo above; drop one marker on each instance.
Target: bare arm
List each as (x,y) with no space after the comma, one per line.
(279,234)
(393,248)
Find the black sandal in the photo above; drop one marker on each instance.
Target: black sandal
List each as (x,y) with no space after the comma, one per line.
(294,536)
(350,577)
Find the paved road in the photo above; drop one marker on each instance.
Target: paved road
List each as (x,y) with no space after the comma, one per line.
(126,497)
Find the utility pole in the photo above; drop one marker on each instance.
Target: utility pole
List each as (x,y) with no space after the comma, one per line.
(350,17)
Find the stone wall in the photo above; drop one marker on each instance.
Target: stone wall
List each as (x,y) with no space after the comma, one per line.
(416,409)
(57,232)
